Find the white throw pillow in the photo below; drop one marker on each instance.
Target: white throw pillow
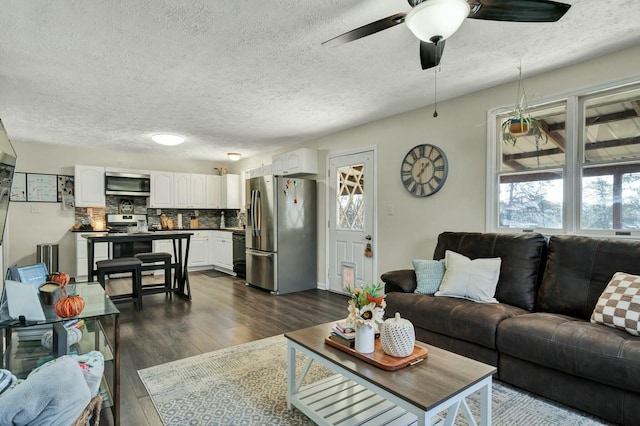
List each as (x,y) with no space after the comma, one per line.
(470,279)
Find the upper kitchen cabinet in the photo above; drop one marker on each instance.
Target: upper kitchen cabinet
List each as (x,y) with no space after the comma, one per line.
(230,192)
(303,161)
(189,190)
(212,198)
(265,170)
(161,190)
(89,186)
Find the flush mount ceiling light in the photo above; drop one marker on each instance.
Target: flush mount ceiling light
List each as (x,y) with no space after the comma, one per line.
(234,156)
(436,20)
(166,139)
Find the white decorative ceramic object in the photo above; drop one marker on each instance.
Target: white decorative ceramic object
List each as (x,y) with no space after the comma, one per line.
(365,339)
(397,337)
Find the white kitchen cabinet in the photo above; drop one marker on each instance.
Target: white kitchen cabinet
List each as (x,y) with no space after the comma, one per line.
(161,190)
(197,194)
(230,192)
(257,172)
(199,249)
(181,190)
(100,252)
(261,171)
(223,250)
(164,246)
(189,190)
(89,186)
(301,161)
(212,192)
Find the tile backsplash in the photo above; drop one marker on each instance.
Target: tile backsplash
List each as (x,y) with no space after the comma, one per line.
(207,218)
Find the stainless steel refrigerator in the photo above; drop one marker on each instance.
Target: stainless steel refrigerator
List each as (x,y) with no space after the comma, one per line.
(281,234)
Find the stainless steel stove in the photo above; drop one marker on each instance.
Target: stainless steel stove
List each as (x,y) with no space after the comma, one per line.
(122,223)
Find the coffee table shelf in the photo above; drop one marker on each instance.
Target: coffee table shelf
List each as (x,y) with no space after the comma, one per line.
(362,394)
(337,399)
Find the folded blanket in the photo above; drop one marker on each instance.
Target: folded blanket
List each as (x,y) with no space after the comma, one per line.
(7,379)
(54,394)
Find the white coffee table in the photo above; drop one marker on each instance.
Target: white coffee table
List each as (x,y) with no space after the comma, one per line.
(362,394)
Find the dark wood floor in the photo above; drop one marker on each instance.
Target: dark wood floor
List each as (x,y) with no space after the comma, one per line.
(224,312)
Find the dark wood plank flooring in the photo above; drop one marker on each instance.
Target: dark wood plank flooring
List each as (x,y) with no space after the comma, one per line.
(224,312)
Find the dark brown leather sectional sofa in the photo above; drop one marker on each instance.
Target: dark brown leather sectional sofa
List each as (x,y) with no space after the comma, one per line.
(539,335)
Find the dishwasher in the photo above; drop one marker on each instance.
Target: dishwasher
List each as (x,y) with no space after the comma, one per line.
(239,255)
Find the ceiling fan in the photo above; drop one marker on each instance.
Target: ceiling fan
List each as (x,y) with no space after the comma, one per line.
(433,21)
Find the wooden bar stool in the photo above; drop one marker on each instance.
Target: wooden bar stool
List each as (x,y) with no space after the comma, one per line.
(154,262)
(123,265)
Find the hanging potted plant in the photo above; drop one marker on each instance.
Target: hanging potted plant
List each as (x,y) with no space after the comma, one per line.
(523,125)
(521,122)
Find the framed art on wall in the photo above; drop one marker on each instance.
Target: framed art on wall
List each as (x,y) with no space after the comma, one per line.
(19,187)
(42,188)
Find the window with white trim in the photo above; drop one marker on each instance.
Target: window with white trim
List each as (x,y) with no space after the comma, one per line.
(580,174)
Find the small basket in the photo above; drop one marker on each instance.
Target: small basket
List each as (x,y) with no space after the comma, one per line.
(91,414)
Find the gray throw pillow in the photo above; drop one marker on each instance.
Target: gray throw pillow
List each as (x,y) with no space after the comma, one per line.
(429,275)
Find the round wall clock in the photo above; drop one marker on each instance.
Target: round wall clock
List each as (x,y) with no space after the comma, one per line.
(424,170)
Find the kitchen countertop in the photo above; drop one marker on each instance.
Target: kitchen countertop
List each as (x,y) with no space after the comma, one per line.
(168,230)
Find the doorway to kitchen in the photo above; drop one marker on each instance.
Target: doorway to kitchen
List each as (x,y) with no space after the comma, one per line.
(351,214)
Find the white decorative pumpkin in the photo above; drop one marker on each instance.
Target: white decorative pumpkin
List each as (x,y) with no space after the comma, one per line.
(397,337)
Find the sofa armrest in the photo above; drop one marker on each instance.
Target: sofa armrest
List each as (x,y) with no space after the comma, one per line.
(401,280)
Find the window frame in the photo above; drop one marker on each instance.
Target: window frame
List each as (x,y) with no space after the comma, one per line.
(572,170)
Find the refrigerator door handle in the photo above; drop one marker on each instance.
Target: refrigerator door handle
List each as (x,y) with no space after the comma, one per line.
(258,215)
(259,254)
(254,212)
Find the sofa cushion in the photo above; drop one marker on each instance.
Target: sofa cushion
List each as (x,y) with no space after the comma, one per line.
(522,257)
(578,270)
(457,318)
(470,279)
(429,275)
(619,304)
(573,346)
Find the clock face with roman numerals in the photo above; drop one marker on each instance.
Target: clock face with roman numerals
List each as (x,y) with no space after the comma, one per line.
(424,170)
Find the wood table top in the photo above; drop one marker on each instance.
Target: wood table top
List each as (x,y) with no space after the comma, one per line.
(425,385)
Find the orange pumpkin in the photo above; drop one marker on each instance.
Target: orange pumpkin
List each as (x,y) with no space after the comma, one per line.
(68,307)
(61,278)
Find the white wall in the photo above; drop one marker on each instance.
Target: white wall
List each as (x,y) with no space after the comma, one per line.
(460,130)
(51,224)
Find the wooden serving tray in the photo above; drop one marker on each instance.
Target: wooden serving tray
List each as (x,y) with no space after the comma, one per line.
(381,359)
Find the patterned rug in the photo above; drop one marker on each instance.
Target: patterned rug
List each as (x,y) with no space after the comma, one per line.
(247,385)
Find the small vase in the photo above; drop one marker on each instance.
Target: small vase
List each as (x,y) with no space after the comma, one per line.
(365,338)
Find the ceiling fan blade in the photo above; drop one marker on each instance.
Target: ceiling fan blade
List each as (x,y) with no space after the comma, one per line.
(430,54)
(518,10)
(372,28)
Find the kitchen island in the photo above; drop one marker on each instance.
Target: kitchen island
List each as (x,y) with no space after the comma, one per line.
(181,276)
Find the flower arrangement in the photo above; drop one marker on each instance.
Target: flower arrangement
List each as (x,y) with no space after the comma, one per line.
(366,306)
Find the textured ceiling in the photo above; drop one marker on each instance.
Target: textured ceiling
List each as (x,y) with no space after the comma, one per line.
(251,75)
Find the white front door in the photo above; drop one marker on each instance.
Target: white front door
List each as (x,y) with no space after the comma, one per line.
(351,219)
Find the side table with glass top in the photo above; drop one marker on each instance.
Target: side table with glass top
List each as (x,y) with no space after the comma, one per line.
(22,352)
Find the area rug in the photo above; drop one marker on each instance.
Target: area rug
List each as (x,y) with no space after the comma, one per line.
(247,385)
(212,273)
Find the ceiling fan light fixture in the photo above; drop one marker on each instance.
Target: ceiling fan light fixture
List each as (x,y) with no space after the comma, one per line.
(167,139)
(234,156)
(437,19)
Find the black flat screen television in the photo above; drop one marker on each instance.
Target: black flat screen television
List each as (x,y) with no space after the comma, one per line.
(8,159)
